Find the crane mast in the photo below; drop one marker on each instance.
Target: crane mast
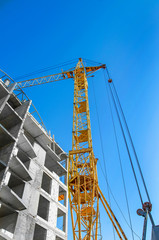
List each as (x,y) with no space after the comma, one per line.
(83,180)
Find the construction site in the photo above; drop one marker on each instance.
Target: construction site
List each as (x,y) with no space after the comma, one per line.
(37,176)
(79,120)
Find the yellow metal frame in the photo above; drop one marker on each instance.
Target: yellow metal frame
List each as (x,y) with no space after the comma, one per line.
(111,215)
(84,192)
(83,181)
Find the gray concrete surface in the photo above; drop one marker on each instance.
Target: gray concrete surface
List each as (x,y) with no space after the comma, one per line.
(33,174)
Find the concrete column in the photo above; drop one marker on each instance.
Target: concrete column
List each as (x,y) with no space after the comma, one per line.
(26,219)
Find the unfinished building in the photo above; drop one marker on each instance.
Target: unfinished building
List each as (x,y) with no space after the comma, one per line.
(33,172)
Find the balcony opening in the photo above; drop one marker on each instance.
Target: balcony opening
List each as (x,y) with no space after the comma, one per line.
(61,220)
(7,224)
(16,184)
(39,233)
(23,157)
(10,120)
(2,170)
(43,209)
(58,238)
(63,160)
(5,152)
(46,183)
(50,164)
(62,196)
(63,179)
(29,137)
(58,150)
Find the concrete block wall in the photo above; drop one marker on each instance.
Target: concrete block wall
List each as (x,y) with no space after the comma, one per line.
(33,175)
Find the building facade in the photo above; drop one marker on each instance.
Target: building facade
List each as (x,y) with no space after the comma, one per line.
(33,173)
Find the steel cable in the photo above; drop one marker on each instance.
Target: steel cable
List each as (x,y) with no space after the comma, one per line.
(119,157)
(132,144)
(91,61)
(121,126)
(118,204)
(46,69)
(102,148)
(54,67)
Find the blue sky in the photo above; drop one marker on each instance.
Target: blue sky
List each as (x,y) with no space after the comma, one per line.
(122,34)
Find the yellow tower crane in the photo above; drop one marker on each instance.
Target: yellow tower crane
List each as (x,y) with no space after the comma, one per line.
(83,180)
(84,191)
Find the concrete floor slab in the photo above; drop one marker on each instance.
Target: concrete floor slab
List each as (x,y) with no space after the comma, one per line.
(14,101)
(3,236)
(9,117)
(5,137)
(9,197)
(37,132)
(26,146)
(3,91)
(55,162)
(5,209)
(19,168)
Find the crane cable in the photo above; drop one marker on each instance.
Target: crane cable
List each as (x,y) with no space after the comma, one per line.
(121,126)
(92,62)
(47,69)
(102,148)
(137,160)
(126,144)
(106,178)
(54,67)
(120,161)
(132,144)
(129,135)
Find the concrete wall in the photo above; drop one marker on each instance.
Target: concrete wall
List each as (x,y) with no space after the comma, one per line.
(31,171)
